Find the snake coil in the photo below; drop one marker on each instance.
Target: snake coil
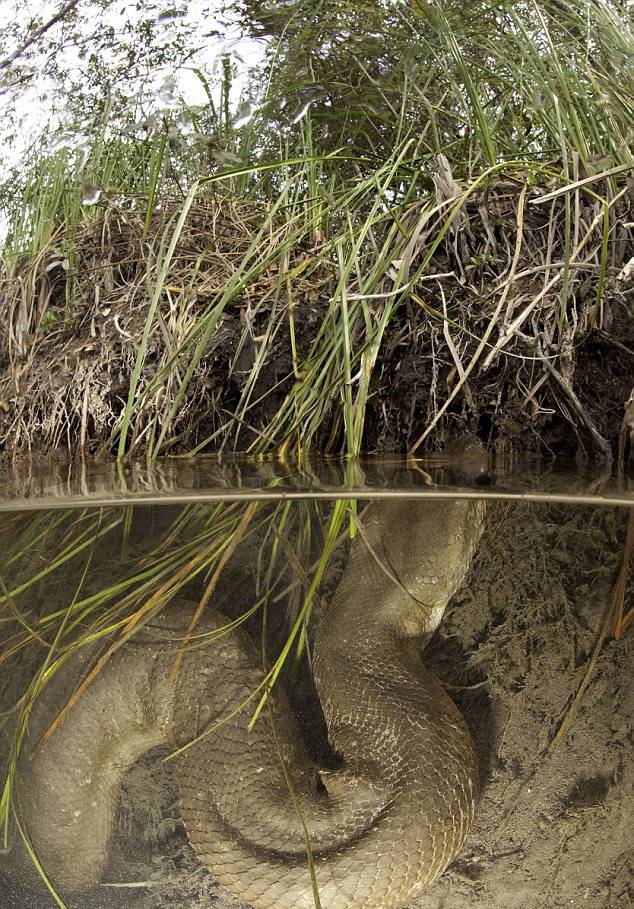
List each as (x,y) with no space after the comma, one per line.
(381,827)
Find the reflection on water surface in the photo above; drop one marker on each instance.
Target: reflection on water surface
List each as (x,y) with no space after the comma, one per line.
(129,584)
(50,483)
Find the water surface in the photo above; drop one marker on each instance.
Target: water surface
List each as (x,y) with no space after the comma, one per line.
(512,651)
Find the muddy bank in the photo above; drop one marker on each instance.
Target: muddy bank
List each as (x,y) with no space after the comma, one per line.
(496,334)
(552,825)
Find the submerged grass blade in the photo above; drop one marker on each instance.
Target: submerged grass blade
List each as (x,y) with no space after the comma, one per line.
(38,865)
(334,527)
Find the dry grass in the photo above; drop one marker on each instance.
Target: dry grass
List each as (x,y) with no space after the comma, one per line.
(262,334)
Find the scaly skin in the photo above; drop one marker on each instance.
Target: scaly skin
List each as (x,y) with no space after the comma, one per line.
(382,827)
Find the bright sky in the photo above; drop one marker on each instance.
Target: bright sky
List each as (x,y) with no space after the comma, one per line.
(40,109)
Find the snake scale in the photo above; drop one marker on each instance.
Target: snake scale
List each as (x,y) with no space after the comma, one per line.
(381,826)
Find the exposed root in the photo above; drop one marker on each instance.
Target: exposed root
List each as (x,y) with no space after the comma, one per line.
(259,360)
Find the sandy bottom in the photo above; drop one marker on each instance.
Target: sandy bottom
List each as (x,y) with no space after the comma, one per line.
(553,827)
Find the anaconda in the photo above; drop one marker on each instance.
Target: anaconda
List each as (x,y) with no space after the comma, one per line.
(381,826)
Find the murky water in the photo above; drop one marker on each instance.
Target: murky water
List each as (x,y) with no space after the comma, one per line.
(339,226)
(512,649)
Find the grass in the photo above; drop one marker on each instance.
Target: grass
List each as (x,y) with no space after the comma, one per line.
(348,283)
(93,601)
(193,307)
(254,308)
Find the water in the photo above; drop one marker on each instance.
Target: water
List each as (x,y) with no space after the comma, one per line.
(551,824)
(53,483)
(341,226)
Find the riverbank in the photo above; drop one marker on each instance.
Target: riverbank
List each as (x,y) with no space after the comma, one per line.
(222,324)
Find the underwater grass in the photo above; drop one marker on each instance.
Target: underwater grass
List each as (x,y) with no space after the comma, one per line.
(198,541)
(477,217)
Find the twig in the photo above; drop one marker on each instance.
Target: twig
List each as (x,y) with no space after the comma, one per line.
(594,178)
(528,309)
(574,704)
(602,444)
(620,622)
(37,34)
(404,288)
(490,326)
(452,348)
(612,621)
(627,428)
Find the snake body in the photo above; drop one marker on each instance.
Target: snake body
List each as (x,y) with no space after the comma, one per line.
(381,827)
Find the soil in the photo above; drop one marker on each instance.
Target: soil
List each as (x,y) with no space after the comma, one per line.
(552,827)
(559,383)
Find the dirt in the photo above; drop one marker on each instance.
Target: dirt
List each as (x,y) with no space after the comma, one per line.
(552,827)
(559,382)
(415,374)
